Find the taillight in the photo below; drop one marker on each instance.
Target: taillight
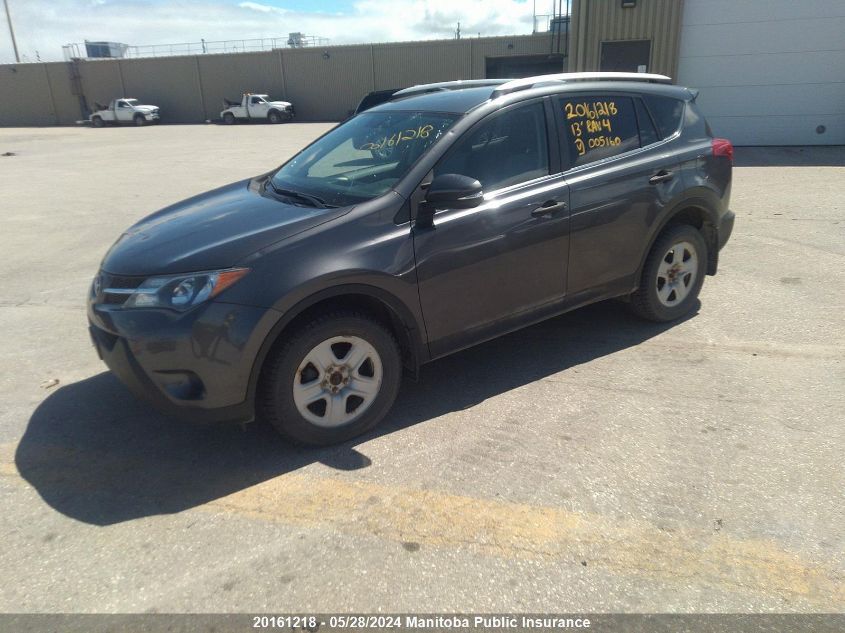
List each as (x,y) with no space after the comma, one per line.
(723,147)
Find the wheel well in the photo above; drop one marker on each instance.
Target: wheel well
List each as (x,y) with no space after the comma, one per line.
(700,219)
(359,302)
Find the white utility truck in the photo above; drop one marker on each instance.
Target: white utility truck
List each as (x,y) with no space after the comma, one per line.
(124,111)
(256,107)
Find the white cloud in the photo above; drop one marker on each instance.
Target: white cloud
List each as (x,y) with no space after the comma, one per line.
(45,25)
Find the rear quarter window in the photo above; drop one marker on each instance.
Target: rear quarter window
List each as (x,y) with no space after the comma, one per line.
(597,127)
(666,112)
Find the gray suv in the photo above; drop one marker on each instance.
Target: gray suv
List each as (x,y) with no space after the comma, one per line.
(449,215)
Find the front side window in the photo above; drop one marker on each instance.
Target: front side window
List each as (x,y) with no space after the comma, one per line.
(256,100)
(508,149)
(362,158)
(598,127)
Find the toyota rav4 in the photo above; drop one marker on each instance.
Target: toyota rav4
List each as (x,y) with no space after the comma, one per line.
(449,215)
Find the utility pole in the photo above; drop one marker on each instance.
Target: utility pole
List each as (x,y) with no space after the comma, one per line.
(12,31)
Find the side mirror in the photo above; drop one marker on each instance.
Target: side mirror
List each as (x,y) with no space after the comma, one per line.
(449,191)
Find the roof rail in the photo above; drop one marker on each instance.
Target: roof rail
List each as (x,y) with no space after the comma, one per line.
(530,82)
(448,85)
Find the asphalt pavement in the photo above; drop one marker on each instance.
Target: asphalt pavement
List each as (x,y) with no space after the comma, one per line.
(593,462)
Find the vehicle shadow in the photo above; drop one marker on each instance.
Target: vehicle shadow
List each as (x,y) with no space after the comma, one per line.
(96,454)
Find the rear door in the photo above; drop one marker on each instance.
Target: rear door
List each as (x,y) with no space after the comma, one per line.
(483,270)
(621,175)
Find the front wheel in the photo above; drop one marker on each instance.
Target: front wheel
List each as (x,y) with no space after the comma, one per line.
(274,117)
(139,120)
(332,379)
(672,276)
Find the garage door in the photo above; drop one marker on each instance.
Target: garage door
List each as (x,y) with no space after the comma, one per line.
(770,73)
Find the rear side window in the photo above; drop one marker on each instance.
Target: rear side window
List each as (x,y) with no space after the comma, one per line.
(505,150)
(598,127)
(666,112)
(648,134)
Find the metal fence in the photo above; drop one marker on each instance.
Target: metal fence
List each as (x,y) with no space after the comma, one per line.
(203,47)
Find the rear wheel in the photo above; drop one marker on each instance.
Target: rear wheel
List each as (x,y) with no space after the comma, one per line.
(672,276)
(332,379)
(274,117)
(98,122)
(229,118)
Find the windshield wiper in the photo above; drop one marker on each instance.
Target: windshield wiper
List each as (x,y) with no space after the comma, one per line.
(312,201)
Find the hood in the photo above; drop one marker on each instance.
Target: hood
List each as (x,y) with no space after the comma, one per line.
(147,108)
(210,231)
(280,104)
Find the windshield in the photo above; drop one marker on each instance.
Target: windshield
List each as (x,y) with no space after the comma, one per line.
(131,102)
(362,158)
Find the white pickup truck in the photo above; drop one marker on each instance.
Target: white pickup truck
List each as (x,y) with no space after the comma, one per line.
(256,107)
(124,111)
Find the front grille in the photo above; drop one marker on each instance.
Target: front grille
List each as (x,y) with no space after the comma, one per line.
(116,282)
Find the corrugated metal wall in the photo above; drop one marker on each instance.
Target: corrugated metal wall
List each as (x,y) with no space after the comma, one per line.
(324,84)
(597,21)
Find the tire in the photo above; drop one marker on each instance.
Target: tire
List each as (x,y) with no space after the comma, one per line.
(274,117)
(138,120)
(303,391)
(229,118)
(98,122)
(672,276)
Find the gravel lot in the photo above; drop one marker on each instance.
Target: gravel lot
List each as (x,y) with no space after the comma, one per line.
(590,463)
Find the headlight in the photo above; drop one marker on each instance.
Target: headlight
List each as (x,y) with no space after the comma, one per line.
(181,292)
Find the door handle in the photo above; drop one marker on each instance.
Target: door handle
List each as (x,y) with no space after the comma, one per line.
(549,207)
(661,176)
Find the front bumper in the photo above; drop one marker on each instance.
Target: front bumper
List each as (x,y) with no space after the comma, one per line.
(196,365)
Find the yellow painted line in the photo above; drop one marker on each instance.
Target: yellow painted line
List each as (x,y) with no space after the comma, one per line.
(437,519)
(513,530)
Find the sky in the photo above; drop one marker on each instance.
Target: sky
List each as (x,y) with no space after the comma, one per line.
(43,26)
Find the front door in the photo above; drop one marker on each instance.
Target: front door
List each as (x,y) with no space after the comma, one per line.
(124,111)
(485,269)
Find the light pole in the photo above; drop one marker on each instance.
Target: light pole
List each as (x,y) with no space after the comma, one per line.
(12,31)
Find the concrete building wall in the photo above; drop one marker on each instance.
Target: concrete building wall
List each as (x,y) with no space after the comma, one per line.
(324,84)
(172,83)
(485,47)
(326,88)
(65,103)
(229,76)
(101,81)
(597,21)
(409,63)
(25,95)
(773,77)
